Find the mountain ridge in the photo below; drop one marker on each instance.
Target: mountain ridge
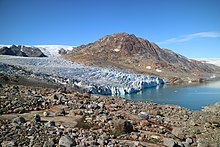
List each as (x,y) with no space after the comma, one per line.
(47,50)
(21,50)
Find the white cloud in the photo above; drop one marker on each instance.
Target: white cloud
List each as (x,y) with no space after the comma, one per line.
(189,37)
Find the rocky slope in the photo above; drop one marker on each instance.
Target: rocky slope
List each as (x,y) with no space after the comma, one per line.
(21,50)
(130,53)
(35,116)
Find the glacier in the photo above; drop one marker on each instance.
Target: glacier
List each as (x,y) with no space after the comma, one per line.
(92,79)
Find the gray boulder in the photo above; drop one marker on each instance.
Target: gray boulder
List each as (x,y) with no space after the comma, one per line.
(36,118)
(19,120)
(66,141)
(169,142)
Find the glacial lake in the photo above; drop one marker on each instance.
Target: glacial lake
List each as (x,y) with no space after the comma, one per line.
(191,96)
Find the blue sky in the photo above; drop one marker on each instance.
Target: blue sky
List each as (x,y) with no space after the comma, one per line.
(188,27)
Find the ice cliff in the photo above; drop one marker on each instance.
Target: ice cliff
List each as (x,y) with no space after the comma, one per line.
(92,79)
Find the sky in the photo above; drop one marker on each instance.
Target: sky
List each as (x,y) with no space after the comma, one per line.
(188,27)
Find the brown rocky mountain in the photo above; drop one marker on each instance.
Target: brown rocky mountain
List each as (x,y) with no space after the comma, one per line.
(129,53)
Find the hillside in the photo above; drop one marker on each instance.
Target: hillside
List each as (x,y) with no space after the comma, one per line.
(129,53)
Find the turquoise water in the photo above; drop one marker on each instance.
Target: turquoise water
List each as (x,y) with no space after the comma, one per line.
(191,96)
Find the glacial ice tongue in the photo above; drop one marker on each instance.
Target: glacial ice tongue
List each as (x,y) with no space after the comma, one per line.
(92,79)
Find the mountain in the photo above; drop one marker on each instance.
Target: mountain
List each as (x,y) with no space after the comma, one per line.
(129,53)
(47,50)
(21,50)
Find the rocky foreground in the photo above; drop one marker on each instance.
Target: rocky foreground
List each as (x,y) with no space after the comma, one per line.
(33,116)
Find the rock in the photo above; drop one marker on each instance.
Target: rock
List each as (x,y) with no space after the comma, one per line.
(49,143)
(19,120)
(45,113)
(207,125)
(60,112)
(58,96)
(36,118)
(62,51)
(37,144)
(201,143)
(123,126)
(8,143)
(189,140)
(51,124)
(193,123)
(144,115)
(178,132)
(19,110)
(66,141)
(169,142)
(186,144)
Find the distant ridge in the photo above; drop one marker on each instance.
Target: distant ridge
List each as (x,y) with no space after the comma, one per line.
(47,50)
(21,50)
(129,53)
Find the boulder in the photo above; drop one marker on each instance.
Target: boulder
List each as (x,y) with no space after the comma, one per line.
(60,112)
(19,110)
(49,143)
(51,123)
(66,141)
(19,120)
(8,143)
(178,132)
(169,142)
(36,118)
(123,126)
(144,115)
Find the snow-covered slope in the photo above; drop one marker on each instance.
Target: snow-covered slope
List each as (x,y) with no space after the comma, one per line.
(215,61)
(53,50)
